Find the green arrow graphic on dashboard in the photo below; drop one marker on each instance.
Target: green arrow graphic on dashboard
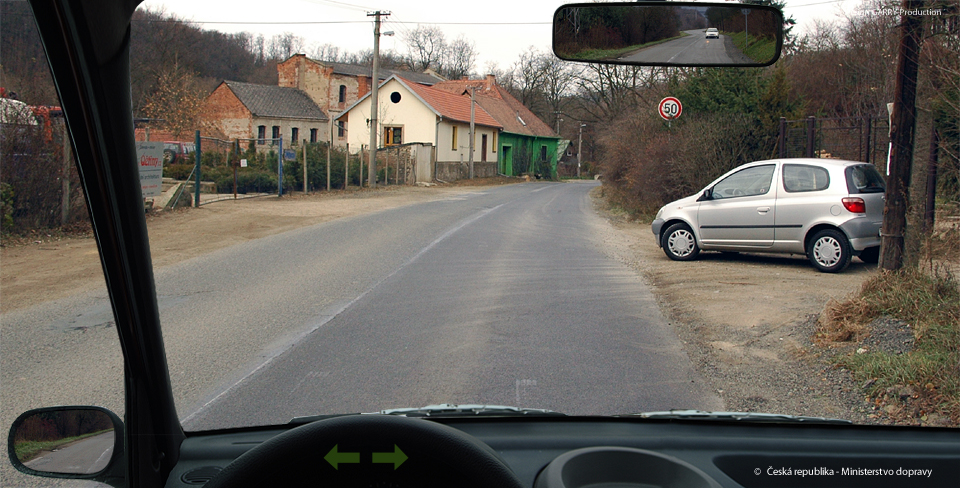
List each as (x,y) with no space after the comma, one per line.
(396,458)
(334,458)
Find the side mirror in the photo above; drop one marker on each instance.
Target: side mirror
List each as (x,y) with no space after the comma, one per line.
(66,442)
(706,195)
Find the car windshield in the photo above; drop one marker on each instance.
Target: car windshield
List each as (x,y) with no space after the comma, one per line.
(354,210)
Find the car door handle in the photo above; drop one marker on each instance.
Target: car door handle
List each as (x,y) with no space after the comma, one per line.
(763,210)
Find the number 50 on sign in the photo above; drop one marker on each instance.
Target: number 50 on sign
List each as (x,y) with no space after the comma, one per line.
(670,108)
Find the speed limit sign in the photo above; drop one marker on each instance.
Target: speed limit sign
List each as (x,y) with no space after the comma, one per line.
(670,108)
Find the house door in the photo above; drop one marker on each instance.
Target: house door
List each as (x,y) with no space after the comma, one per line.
(506,160)
(483,148)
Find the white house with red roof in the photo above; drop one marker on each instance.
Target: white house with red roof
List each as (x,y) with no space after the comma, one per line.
(414,113)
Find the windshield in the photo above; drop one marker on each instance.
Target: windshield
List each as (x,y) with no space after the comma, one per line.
(495,247)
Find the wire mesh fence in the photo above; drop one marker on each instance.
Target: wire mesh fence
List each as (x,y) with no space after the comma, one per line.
(852,138)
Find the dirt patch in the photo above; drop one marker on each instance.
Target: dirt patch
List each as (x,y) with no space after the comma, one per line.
(47,266)
(747,320)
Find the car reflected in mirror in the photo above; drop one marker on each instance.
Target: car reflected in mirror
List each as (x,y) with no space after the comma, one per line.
(65,442)
(668,34)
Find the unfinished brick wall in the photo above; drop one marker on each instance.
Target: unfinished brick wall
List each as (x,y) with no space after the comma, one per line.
(223,111)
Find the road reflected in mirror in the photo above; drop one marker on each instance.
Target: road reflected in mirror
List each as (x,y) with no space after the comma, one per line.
(69,441)
(675,34)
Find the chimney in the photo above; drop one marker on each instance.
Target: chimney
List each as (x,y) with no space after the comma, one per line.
(490,82)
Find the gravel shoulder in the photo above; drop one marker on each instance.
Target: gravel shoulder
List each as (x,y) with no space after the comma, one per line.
(746,321)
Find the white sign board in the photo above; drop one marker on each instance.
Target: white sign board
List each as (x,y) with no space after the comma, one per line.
(243,163)
(150,160)
(670,108)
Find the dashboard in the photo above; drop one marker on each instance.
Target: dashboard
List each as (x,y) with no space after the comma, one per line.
(619,452)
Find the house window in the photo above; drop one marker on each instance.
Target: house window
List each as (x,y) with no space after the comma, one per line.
(543,153)
(275,134)
(453,143)
(295,135)
(392,136)
(343,93)
(341,129)
(261,134)
(313,135)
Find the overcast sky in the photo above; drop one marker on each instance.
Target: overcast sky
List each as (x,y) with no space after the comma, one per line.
(501,29)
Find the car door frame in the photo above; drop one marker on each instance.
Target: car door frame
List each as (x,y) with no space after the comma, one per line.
(87,44)
(739,222)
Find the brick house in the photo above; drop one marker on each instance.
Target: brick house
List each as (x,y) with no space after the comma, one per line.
(307,92)
(265,113)
(336,86)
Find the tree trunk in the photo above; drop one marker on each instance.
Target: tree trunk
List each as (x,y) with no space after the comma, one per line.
(901,138)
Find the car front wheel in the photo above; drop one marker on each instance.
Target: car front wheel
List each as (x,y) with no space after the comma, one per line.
(829,251)
(679,243)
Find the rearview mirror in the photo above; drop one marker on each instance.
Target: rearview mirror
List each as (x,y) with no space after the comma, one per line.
(65,442)
(668,34)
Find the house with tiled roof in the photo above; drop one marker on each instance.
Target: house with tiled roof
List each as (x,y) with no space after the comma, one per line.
(526,143)
(297,109)
(411,112)
(265,113)
(336,86)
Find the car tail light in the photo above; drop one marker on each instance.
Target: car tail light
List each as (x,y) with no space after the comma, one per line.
(855,205)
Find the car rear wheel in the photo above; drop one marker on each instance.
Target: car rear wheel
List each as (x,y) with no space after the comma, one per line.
(829,251)
(679,243)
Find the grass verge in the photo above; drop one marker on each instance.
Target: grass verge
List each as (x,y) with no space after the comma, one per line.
(912,386)
(761,49)
(27,450)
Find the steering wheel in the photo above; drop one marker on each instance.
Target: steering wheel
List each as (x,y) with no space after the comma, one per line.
(433,455)
(738,192)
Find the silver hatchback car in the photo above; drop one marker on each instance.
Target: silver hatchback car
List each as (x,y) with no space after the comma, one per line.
(830,210)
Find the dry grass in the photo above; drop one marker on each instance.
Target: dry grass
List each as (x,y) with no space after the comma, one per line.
(927,300)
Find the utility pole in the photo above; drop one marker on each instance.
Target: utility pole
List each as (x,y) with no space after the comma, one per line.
(558,114)
(901,140)
(579,147)
(374,105)
(473,127)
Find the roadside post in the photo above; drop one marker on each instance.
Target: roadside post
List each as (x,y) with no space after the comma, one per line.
(235,163)
(196,171)
(280,169)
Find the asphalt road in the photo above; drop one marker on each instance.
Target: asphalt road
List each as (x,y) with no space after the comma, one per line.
(85,456)
(502,296)
(691,49)
(505,295)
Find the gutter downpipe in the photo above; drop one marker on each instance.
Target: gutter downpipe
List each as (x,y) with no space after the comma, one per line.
(436,148)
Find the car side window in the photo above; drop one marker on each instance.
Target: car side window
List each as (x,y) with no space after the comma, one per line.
(801,177)
(747,182)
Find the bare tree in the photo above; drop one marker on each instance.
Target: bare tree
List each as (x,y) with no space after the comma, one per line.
(460,59)
(282,46)
(558,77)
(528,76)
(426,47)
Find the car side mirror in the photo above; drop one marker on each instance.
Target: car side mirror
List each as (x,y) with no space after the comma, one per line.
(706,195)
(76,442)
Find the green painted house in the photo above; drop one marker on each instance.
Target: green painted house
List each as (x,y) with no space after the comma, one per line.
(526,144)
